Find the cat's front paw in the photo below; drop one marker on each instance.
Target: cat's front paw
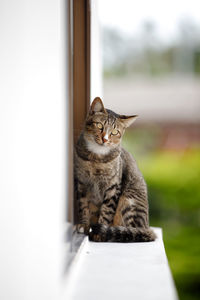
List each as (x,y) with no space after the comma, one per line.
(98,233)
(95,237)
(83,228)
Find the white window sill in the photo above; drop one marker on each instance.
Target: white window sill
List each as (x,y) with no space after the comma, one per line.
(121,271)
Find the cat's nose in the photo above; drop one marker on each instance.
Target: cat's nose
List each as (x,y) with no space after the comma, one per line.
(105,137)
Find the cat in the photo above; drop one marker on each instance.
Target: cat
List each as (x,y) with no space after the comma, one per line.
(110,190)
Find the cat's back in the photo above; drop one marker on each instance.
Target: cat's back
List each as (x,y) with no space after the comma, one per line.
(129,166)
(127,158)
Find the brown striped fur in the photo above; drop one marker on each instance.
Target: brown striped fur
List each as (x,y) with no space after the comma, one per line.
(110,190)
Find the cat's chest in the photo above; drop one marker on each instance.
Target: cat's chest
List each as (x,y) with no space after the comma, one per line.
(98,177)
(101,177)
(101,171)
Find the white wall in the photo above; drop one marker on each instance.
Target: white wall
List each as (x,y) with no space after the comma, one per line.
(32,148)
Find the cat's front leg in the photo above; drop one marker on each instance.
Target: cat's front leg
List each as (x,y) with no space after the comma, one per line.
(107,212)
(84,216)
(109,205)
(83,225)
(106,217)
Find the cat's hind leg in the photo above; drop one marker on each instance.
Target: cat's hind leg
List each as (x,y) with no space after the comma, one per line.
(125,212)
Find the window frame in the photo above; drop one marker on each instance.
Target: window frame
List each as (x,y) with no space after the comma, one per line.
(81,72)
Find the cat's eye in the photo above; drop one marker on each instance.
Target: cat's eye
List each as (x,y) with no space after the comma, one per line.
(99,125)
(114,132)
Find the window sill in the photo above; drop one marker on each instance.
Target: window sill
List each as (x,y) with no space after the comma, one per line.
(121,271)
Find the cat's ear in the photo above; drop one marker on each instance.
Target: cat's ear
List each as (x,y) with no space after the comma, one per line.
(128,120)
(97,106)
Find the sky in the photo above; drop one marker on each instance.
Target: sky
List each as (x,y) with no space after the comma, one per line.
(128,15)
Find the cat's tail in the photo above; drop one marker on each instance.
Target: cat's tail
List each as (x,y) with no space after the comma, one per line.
(103,233)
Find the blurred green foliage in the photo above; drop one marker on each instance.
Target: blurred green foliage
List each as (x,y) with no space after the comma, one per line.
(173,179)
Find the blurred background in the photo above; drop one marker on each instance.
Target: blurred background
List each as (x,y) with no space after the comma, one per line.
(151,67)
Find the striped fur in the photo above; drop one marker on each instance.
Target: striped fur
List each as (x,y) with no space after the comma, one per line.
(103,233)
(110,190)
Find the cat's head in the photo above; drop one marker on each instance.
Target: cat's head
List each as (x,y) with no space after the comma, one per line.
(104,128)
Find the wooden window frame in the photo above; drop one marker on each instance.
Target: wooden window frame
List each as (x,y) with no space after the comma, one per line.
(81,63)
(79,70)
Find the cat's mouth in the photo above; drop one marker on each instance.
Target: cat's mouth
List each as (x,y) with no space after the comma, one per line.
(102,143)
(98,140)
(98,147)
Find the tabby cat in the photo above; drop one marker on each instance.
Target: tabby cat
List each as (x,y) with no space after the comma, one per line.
(110,190)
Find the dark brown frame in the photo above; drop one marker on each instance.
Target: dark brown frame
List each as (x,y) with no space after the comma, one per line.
(81,63)
(69,119)
(79,82)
